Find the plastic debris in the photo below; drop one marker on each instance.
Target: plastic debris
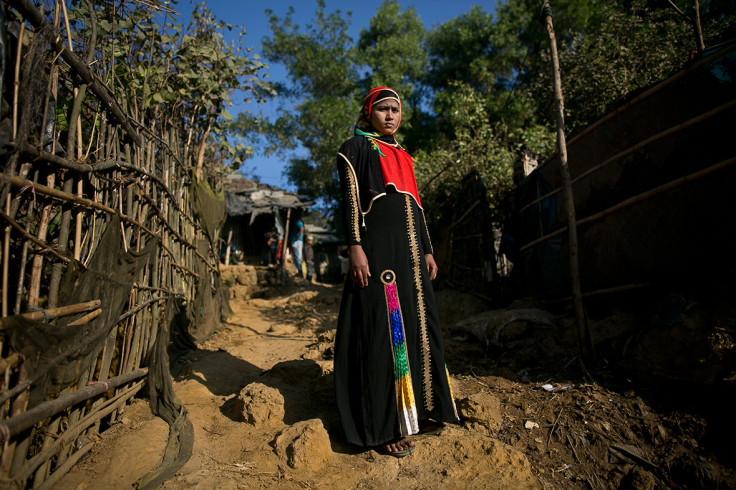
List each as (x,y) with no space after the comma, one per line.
(554,389)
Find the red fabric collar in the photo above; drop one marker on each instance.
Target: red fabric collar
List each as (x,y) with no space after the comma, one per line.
(398,169)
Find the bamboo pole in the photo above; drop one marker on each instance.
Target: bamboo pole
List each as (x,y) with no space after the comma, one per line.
(143,327)
(52,313)
(78,225)
(64,468)
(227,246)
(69,435)
(74,414)
(17,407)
(34,285)
(584,341)
(86,318)
(6,260)
(62,245)
(10,362)
(127,339)
(18,423)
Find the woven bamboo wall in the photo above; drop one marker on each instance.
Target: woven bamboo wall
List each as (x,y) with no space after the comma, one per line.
(62,186)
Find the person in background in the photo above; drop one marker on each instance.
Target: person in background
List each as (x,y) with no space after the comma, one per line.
(273,247)
(324,267)
(297,245)
(309,258)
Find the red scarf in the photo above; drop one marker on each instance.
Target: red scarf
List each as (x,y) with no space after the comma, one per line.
(398,169)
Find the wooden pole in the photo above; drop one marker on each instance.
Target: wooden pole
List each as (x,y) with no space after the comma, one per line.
(283,246)
(698,29)
(227,246)
(584,340)
(52,313)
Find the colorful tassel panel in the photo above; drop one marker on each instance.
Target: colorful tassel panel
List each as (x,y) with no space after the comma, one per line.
(452,395)
(405,404)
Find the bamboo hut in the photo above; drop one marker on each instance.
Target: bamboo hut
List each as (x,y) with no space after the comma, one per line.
(253,210)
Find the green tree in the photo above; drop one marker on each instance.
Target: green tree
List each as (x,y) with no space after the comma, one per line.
(391,52)
(183,77)
(629,45)
(476,90)
(461,50)
(319,101)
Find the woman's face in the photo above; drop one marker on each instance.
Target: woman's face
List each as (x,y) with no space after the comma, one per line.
(385,116)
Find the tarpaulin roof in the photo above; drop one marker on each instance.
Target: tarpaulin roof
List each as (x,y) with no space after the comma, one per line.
(244,196)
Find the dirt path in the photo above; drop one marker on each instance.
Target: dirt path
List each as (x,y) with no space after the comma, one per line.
(229,453)
(514,435)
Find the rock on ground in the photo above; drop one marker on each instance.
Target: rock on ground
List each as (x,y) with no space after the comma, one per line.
(260,405)
(304,445)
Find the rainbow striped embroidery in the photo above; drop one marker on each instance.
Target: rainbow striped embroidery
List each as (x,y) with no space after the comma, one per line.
(405,405)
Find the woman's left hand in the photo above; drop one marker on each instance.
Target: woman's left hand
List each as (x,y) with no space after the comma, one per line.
(431,266)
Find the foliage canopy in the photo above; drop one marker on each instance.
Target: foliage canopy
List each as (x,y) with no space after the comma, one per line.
(476,90)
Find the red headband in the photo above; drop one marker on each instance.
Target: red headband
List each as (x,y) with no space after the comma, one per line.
(375,96)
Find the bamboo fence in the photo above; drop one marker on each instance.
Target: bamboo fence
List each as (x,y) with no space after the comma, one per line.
(700,106)
(58,198)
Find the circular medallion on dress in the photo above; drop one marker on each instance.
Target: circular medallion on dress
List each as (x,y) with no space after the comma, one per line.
(388,277)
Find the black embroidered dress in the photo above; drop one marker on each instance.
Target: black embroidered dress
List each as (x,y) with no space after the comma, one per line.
(390,369)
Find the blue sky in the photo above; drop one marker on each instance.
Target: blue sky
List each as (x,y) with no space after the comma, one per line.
(251,15)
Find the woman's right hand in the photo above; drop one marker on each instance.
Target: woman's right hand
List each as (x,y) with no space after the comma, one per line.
(358,268)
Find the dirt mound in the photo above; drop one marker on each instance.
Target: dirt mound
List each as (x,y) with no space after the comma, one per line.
(481,412)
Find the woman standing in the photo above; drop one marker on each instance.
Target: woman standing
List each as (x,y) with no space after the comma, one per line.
(390,374)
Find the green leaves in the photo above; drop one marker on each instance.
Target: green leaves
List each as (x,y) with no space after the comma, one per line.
(476,90)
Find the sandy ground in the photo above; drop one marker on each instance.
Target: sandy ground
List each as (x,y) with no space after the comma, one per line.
(522,427)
